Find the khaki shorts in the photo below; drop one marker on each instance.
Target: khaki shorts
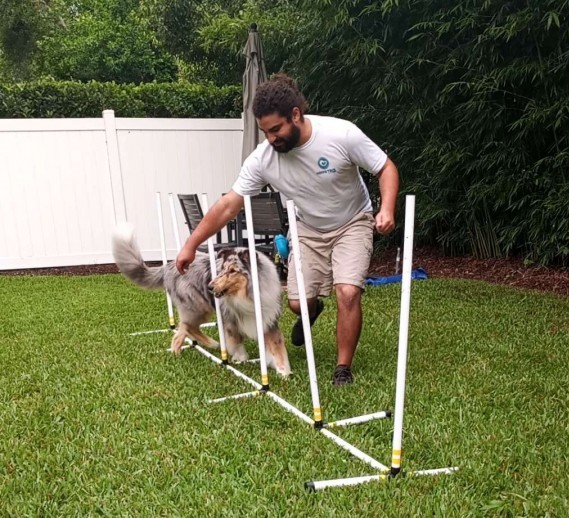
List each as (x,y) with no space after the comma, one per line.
(340,256)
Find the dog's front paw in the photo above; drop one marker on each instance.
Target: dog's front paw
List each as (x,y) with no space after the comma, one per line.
(240,356)
(283,370)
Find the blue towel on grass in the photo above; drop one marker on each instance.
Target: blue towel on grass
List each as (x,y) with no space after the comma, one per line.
(418,274)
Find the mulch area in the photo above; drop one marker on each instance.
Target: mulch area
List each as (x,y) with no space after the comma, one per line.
(510,272)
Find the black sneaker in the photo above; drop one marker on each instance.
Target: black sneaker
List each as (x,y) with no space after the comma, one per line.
(297,335)
(342,376)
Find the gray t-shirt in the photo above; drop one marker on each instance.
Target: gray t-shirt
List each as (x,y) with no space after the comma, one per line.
(321,176)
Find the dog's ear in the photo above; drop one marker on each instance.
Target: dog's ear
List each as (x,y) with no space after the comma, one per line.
(245,258)
(224,253)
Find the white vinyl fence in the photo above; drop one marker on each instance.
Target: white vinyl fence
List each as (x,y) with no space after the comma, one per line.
(65,183)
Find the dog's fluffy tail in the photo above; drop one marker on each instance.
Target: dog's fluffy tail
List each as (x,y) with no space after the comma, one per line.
(130,262)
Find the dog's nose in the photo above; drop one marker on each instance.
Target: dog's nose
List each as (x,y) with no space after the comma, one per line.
(210,288)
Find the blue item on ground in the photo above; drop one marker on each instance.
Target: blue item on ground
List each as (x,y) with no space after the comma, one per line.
(418,274)
(281,242)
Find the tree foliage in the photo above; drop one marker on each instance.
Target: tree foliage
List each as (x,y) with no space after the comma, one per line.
(143,40)
(471,100)
(22,23)
(105,41)
(224,31)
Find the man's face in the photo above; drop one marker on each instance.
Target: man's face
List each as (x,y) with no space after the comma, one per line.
(282,134)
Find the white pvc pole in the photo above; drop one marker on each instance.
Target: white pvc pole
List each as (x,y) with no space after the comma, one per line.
(256,293)
(353,450)
(318,414)
(174,222)
(292,409)
(213,267)
(397,450)
(214,358)
(358,420)
(171,320)
(254,393)
(317,485)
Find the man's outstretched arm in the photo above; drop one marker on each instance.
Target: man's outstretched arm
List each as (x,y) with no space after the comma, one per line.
(217,217)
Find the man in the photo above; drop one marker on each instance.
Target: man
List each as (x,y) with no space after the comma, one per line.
(314,161)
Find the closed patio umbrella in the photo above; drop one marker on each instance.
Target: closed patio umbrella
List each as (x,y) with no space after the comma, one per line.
(255,74)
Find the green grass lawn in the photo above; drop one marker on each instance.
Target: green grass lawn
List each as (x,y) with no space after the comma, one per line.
(94,421)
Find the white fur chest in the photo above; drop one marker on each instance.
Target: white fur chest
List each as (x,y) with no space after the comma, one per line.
(244,311)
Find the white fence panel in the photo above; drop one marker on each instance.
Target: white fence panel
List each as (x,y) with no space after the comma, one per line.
(55,198)
(65,182)
(181,156)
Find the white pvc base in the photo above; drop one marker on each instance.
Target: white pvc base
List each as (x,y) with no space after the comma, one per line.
(317,423)
(318,485)
(235,396)
(358,420)
(139,333)
(292,409)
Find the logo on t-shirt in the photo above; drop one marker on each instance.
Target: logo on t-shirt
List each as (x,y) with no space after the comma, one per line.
(324,165)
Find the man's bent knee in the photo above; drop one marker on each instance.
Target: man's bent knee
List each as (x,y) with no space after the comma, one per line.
(294,305)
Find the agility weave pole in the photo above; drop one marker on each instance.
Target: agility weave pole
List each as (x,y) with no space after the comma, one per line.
(397,448)
(224,357)
(263,388)
(160,217)
(318,424)
(176,232)
(317,409)
(171,320)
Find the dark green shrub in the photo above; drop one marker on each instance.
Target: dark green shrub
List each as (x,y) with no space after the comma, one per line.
(67,99)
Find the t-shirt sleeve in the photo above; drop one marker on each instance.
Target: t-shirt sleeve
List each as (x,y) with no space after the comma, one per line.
(249,182)
(363,151)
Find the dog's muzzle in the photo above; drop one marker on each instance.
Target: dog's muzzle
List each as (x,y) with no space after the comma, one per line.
(217,294)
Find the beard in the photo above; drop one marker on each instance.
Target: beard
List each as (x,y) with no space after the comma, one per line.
(285,144)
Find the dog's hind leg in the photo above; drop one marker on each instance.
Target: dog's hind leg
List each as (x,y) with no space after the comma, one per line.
(186,330)
(277,356)
(196,333)
(179,337)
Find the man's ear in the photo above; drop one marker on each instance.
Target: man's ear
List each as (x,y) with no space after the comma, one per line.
(296,115)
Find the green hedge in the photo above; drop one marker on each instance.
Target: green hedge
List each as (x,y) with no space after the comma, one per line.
(68,99)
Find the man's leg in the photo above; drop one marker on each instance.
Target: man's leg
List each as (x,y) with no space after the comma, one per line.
(315,307)
(294,306)
(349,323)
(351,254)
(317,272)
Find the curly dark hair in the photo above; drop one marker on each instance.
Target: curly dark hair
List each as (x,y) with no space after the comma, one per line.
(280,94)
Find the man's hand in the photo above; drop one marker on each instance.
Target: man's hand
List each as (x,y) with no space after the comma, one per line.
(185,258)
(388,189)
(384,222)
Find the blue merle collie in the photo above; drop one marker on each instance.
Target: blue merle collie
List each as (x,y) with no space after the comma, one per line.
(193,295)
